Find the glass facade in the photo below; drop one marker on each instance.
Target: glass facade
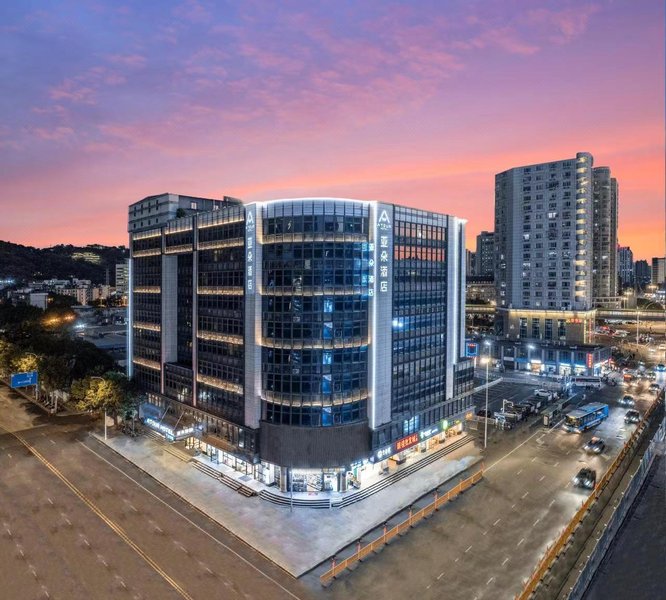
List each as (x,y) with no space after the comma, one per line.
(315,276)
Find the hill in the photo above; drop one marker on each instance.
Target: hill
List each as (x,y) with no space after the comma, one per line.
(25,263)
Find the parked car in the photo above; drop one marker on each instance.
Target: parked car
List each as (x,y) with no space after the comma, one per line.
(627,400)
(524,408)
(595,446)
(632,416)
(655,388)
(547,394)
(586,478)
(660,368)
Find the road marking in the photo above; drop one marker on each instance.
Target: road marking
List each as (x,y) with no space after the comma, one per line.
(456,560)
(93,507)
(485,532)
(513,506)
(490,580)
(440,575)
(506,560)
(428,586)
(557,463)
(524,496)
(519,472)
(496,522)
(533,459)
(101,559)
(50,440)
(499,460)
(520,542)
(551,502)
(8,454)
(50,501)
(542,478)
(535,522)
(468,549)
(212,537)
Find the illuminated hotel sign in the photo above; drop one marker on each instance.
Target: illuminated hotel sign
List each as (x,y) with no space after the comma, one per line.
(383,225)
(169,431)
(249,248)
(410,440)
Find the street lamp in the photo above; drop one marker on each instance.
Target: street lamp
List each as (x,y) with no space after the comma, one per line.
(638,313)
(101,379)
(487,344)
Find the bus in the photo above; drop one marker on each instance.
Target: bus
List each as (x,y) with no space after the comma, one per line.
(586,381)
(585,417)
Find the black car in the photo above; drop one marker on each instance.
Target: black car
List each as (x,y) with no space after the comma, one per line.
(484,413)
(632,416)
(595,446)
(586,478)
(627,400)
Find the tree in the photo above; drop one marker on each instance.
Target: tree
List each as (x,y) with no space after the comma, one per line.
(8,354)
(53,373)
(112,393)
(24,363)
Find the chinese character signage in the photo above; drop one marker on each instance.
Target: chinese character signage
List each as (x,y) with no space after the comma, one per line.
(407,442)
(472,349)
(249,248)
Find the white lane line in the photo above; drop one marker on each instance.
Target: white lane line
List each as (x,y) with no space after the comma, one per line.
(496,522)
(440,575)
(533,459)
(485,532)
(520,542)
(551,502)
(519,472)
(490,580)
(506,560)
(468,549)
(542,478)
(456,560)
(50,501)
(428,586)
(524,496)
(212,537)
(535,522)
(499,460)
(9,455)
(513,506)
(50,440)
(557,463)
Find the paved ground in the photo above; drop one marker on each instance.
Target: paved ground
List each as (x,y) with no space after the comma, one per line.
(487,541)
(80,522)
(634,565)
(297,540)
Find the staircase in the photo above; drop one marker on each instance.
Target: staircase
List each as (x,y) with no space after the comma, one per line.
(156,437)
(371,489)
(234,484)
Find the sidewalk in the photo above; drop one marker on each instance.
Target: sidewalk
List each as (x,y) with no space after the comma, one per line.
(296,540)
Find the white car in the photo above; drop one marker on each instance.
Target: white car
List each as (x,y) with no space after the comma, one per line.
(547,394)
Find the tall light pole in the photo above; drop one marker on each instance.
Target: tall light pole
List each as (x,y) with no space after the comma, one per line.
(487,344)
(101,379)
(638,312)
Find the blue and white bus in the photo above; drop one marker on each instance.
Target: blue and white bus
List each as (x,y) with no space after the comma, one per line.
(585,417)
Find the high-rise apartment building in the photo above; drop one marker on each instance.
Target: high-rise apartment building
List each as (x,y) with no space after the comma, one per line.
(604,225)
(122,276)
(625,265)
(470,263)
(658,276)
(299,338)
(642,273)
(485,254)
(555,227)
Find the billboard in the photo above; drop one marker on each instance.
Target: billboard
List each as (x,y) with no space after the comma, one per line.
(19,380)
(472,349)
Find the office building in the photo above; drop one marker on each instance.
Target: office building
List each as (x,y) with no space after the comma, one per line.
(485,254)
(642,273)
(555,226)
(300,339)
(658,276)
(122,277)
(625,266)
(470,263)
(480,290)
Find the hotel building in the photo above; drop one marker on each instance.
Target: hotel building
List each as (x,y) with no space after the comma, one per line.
(298,339)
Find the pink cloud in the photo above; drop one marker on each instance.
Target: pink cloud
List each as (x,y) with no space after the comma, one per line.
(127,60)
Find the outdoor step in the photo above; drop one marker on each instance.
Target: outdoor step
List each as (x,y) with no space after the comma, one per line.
(370,490)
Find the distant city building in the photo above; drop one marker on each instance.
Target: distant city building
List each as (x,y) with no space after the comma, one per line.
(470,263)
(100,292)
(485,254)
(555,226)
(658,276)
(122,277)
(642,273)
(82,294)
(87,256)
(480,289)
(300,340)
(625,265)
(29,297)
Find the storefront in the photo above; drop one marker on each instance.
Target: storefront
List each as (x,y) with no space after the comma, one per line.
(172,431)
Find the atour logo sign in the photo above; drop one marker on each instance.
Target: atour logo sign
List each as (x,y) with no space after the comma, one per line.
(384,222)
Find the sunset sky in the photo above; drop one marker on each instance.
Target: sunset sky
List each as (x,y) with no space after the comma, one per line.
(419,103)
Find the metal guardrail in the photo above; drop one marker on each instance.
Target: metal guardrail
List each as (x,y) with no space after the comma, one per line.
(401,528)
(553,551)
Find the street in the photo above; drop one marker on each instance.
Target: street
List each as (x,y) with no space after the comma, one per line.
(78,521)
(485,543)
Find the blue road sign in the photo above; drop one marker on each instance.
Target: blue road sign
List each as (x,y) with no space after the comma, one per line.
(472,349)
(24,379)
